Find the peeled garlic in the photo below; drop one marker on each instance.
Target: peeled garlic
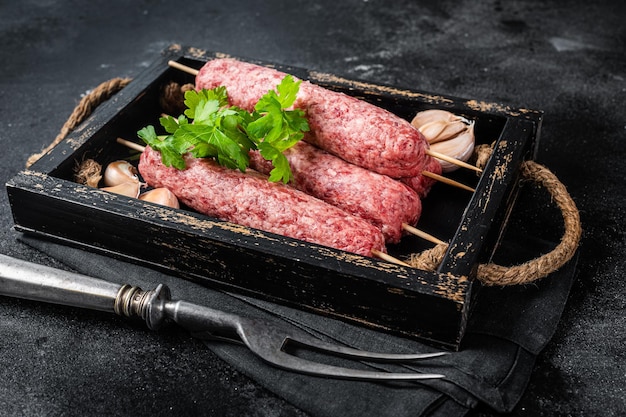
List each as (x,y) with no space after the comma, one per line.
(439,130)
(460,147)
(129,189)
(447,133)
(161,196)
(433,115)
(119,172)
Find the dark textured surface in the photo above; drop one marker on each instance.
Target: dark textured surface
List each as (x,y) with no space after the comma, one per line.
(566,58)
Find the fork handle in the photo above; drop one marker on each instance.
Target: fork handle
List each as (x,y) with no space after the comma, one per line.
(22,279)
(36,282)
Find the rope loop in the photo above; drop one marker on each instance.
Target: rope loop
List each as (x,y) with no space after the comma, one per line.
(492,274)
(84,108)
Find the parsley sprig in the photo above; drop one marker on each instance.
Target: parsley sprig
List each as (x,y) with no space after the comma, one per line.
(210,128)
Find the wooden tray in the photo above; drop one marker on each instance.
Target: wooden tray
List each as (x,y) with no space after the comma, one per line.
(433,307)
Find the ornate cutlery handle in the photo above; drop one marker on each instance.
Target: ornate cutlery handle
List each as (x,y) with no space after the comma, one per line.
(36,282)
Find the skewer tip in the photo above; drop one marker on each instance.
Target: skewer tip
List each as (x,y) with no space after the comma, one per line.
(182,67)
(131,145)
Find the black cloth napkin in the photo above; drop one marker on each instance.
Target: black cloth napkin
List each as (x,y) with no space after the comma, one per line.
(507,329)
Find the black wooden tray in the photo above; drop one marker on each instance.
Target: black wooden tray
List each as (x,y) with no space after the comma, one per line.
(433,307)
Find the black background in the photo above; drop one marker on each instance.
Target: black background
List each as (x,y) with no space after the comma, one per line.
(566,58)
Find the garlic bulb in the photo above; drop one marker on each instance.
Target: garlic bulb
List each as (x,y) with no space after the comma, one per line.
(119,172)
(161,196)
(448,134)
(128,188)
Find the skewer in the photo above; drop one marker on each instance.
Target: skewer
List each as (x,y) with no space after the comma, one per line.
(406,227)
(375,253)
(131,145)
(182,67)
(422,234)
(454,161)
(446,180)
(388,258)
(434,154)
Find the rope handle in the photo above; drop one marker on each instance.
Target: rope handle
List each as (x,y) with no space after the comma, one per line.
(83,110)
(491,274)
(430,259)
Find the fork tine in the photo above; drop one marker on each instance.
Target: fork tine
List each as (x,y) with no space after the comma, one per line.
(268,341)
(318,344)
(284,360)
(290,362)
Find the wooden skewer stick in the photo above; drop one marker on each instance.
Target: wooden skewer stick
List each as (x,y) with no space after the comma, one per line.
(376,253)
(388,258)
(454,161)
(446,180)
(183,67)
(421,234)
(131,145)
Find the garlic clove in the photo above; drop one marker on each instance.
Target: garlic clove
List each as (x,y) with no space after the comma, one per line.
(446,133)
(451,130)
(438,125)
(161,196)
(432,115)
(129,189)
(119,172)
(460,147)
(433,129)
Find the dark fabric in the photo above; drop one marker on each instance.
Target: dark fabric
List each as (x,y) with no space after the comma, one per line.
(508,328)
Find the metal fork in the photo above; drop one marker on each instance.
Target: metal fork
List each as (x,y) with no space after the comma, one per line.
(267,339)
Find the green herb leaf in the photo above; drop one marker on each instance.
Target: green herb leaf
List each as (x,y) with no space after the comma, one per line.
(171,124)
(203,103)
(282,170)
(278,127)
(275,124)
(210,128)
(169,155)
(288,91)
(210,141)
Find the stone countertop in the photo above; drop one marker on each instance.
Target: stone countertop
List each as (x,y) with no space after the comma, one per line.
(565,58)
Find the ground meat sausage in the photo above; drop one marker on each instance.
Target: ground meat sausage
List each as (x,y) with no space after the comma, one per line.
(249,199)
(352,129)
(379,199)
